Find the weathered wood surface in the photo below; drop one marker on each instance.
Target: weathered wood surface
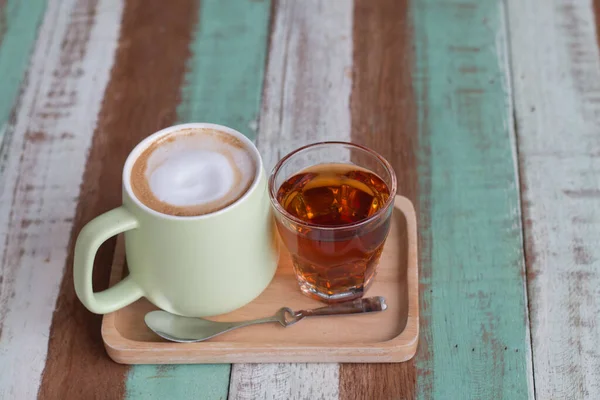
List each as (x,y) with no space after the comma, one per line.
(474,300)
(556,69)
(468,253)
(427,83)
(140,97)
(384,118)
(156,81)
(44,152)
(305,99)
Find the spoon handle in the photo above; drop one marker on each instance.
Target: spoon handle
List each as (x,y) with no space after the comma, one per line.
(287,317)
(241,324)
(364,305)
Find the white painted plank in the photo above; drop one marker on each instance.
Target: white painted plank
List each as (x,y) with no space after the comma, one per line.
(306,99)
(504,58)
(308,80)
(43,163)
(556,69)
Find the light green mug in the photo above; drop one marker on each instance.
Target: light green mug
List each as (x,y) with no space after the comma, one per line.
(192,266)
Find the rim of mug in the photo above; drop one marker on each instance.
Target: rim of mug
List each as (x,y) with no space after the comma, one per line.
(275,203)
(145,143)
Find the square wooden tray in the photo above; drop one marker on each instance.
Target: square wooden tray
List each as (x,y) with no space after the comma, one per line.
(389,336)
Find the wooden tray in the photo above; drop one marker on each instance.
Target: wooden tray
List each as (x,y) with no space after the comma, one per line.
(389,336)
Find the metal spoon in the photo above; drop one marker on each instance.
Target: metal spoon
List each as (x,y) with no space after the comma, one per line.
(188,330)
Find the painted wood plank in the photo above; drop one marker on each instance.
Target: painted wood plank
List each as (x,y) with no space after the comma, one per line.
(384,118)
(309,77)
(67,76)
(306,99)
(141,97)
(19,22)
(223,84)
(556,66)
(474,298)
(224,81)
(149,382)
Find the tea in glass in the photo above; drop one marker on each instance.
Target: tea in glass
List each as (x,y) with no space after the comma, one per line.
(333,217)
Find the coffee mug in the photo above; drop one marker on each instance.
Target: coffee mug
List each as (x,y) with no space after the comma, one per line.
(188,265)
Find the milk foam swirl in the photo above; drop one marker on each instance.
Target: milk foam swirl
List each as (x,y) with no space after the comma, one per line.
(193,172)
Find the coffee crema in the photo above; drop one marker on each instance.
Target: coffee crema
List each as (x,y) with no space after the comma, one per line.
(193,172)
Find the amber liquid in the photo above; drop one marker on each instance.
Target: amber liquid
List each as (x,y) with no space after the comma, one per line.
(334,264)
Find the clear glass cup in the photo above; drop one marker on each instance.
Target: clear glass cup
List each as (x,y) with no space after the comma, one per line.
(333,203)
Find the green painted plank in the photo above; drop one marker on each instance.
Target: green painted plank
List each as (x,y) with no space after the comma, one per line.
(158,382)
(223,85)
(474,303)
(19,21)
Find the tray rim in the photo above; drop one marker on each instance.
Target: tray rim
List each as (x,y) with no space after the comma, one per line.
(398,349)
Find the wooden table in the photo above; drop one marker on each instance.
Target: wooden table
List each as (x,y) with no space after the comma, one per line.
(489,111)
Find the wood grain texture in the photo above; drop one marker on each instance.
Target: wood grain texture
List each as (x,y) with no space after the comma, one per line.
(384,118)
(556,66)
(67,77)
(596,9)
(222,84)
(3,22)
(309,77)
(224,81)
(474,297)
(177,382)
(19,22)
(141,97)
(305,99)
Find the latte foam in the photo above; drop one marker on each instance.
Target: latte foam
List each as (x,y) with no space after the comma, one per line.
(193,172)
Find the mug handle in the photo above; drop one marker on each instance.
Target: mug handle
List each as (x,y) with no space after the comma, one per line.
(96,232)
